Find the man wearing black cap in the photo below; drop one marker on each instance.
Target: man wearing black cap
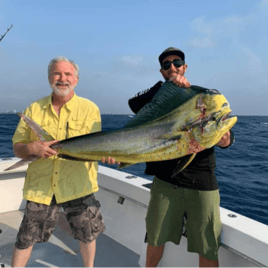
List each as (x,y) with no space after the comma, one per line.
(191,196)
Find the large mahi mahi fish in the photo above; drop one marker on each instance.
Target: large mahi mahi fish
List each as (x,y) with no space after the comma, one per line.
(177,122)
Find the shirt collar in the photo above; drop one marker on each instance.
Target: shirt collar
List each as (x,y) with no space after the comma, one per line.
(69,105)
(48,101)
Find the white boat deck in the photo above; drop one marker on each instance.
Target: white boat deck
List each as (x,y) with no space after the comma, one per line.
(244,241)
(62,250)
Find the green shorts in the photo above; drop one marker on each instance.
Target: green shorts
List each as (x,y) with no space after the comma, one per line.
(168,208)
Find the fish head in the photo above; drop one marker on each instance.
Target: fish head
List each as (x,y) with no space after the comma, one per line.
(214,119)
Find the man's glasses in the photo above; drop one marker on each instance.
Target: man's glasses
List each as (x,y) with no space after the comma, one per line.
(177,63)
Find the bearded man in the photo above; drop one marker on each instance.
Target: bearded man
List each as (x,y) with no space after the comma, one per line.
(51,182)
(189,198)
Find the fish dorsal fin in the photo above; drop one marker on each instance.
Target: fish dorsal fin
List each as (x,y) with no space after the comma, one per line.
(168,98)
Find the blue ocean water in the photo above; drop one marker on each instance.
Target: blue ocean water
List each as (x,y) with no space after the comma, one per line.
(241,169)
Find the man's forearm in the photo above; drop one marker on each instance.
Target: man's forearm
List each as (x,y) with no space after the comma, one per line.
(39,149)
(23,151)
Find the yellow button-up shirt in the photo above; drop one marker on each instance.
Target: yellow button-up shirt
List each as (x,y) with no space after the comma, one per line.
(66,179)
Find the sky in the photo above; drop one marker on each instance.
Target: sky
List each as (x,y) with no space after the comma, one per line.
(116,45)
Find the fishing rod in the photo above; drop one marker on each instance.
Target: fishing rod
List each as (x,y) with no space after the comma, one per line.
(8,29)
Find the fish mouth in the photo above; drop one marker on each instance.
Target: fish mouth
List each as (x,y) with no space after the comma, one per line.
(223,118)
(226,119)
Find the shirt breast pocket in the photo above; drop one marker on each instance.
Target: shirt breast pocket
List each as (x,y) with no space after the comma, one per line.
(76,128)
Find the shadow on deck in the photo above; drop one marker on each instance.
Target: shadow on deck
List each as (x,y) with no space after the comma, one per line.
(62,250)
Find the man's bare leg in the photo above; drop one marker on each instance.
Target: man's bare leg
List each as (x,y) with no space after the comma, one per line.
(20,257)
(203,262)
(88,251)
(154,255)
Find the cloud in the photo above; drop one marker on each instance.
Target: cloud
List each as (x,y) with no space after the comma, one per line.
(252,57)
(205,42)
(263,6)
(133,60)
(134,66)
(200,26)
(209,33)
(254,72)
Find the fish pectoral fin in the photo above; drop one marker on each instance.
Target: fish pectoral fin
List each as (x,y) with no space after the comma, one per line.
(39,131)
(124,165)
(183,163)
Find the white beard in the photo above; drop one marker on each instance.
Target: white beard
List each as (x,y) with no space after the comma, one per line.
(61,92)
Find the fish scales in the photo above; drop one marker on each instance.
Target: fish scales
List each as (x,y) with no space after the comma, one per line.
(128,145)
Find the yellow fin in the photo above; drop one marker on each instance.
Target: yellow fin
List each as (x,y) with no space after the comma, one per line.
(124,165)
(183,163)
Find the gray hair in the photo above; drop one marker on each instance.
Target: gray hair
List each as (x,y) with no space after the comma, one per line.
(59,59)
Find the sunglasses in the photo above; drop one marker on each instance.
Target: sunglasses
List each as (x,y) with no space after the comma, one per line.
(177,63)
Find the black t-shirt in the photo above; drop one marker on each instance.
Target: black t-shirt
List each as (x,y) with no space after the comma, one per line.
(198,175)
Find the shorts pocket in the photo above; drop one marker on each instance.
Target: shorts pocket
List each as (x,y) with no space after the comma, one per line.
(36,207)
(93,204)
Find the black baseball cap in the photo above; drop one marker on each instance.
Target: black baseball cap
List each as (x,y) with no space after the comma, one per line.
(171,51)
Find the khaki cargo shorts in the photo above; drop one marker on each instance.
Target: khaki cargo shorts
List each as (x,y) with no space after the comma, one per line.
(172,210)
(39,221)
